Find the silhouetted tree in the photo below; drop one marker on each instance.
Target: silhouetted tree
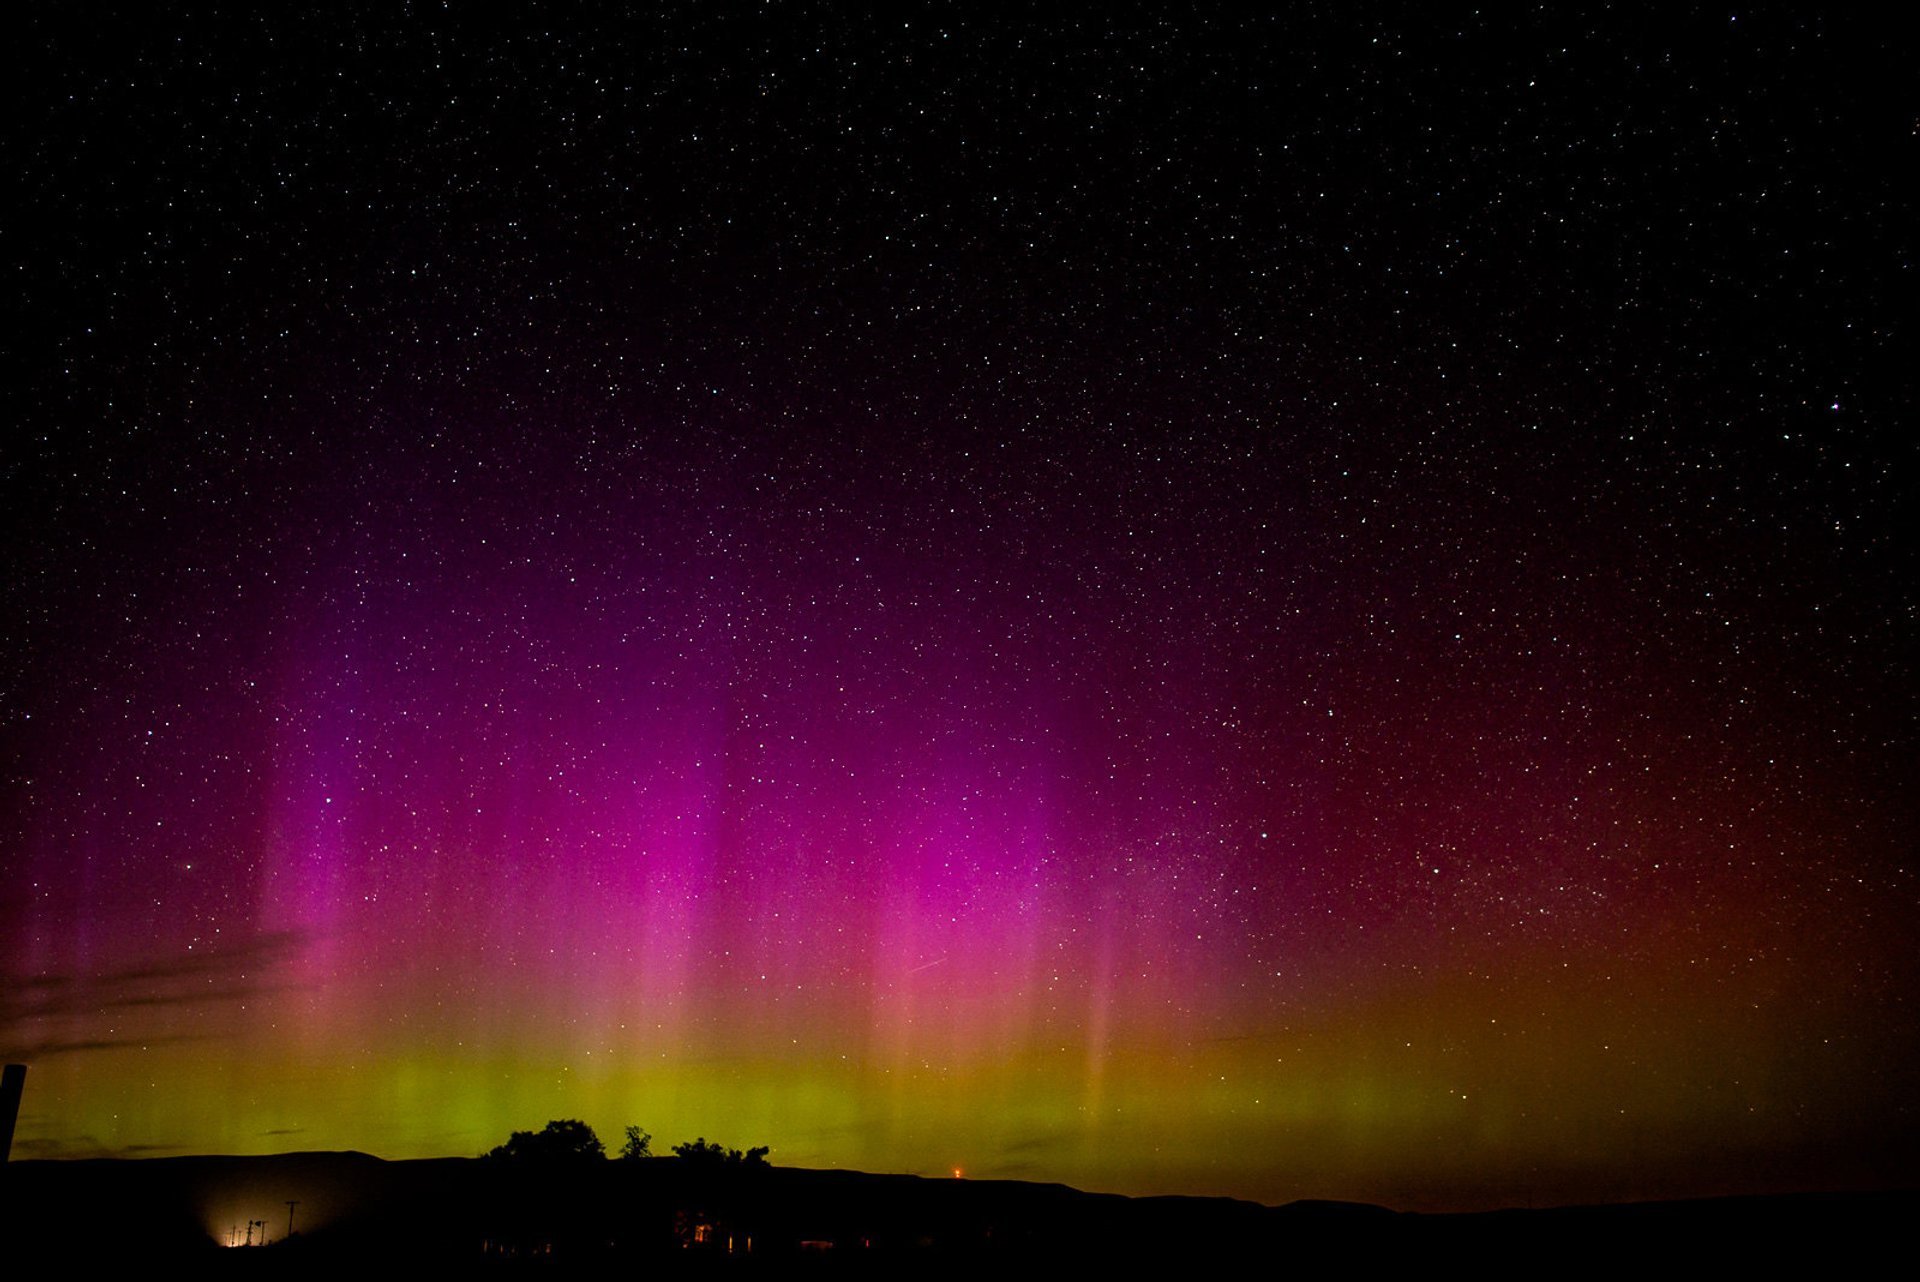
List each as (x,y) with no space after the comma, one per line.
(639,1144)
(700,1152)
(560,1143)
(704,1152)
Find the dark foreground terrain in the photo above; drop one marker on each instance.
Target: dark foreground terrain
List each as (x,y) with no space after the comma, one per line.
(494,1217)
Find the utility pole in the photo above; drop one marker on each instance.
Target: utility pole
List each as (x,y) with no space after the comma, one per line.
(13,1082)
(290,1205)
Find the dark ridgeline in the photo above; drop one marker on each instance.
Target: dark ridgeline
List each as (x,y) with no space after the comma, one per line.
(589,1214)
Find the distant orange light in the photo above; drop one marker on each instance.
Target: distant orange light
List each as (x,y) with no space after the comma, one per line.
(957,1173)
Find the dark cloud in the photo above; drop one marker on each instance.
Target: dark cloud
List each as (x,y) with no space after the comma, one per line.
(71,1147)
(48,1014)
(28,1052)
(1039,1142)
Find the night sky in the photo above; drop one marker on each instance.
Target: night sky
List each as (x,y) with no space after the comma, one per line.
(1294,606)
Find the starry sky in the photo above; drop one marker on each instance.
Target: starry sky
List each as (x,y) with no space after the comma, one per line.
(1174,599)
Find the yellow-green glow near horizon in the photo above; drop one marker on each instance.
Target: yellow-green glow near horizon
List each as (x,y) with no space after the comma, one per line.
(1520,1081)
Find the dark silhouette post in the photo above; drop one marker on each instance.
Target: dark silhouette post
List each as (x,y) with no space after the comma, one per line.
(290,1205)
(13,1081)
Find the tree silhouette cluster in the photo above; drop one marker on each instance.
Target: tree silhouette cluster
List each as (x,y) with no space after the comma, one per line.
(559,1143)
(703,1152)
(569,1142)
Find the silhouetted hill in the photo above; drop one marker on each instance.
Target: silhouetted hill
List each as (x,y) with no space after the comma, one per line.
(451,1211)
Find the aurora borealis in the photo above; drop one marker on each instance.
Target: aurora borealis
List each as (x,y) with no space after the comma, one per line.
(1303,606)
